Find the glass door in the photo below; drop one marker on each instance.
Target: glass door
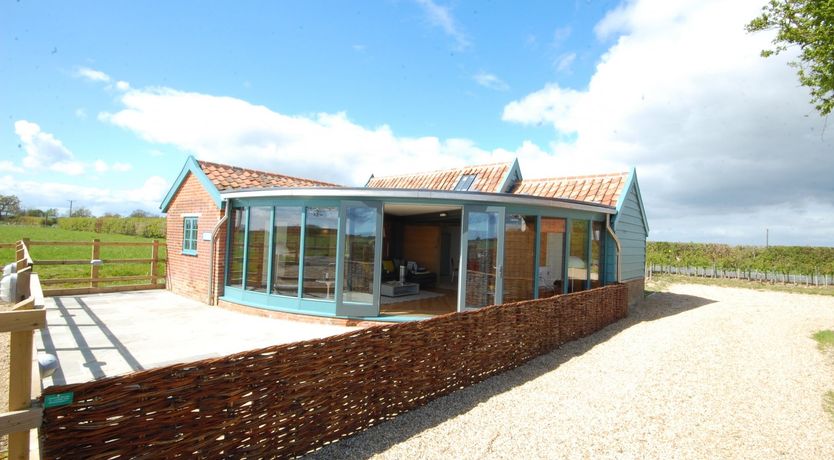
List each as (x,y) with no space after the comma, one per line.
(481,280)
(357,289)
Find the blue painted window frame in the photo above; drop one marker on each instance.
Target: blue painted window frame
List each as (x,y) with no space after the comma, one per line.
(189,235)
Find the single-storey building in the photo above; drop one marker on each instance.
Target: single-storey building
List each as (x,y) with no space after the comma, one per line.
(401,247)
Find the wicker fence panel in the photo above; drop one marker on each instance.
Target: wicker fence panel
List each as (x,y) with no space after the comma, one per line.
(286,400)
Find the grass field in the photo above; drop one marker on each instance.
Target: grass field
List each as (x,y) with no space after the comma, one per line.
(13,233)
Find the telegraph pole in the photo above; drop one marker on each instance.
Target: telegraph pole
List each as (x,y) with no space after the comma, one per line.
(767,238)
(70,212)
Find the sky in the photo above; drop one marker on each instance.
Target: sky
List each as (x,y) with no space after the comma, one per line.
(102,102)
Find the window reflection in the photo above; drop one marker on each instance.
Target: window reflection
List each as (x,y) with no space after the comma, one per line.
(320,237)
(286,250)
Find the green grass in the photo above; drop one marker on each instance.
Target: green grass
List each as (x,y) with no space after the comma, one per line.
(13,233)
(828,403)
(825,339)
(660,282)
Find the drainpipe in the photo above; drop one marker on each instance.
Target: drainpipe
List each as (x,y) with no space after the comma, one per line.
(214,232)
(616,242)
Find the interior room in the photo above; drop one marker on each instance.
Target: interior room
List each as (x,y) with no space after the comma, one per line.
(420,257)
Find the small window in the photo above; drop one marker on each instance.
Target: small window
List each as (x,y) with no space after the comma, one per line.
(465,182)
(189,236)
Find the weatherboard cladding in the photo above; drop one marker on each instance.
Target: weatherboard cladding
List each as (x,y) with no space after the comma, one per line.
(488,178)
(630,229)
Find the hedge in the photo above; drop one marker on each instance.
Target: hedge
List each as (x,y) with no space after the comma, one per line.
(148,227)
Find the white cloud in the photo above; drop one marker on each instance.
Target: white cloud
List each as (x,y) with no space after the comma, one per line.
(100,166)
(326,146)
(122,85)
(565,61)
(81,113)
(39,194)
(488,80)
(440,16)
(92,75)
(44,151)
(122,167)
(725,142)
(7,166)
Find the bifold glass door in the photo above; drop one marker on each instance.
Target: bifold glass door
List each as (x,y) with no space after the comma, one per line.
(361,255)
(481,282)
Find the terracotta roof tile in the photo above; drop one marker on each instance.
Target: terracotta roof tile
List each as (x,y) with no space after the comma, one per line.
(603,188)
(488,178)
(226,177)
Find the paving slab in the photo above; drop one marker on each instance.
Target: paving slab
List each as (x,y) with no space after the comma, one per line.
(101,335)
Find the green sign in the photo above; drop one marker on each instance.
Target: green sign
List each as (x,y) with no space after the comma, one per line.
(57,400)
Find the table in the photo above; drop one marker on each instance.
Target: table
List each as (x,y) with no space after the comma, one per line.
(397,289)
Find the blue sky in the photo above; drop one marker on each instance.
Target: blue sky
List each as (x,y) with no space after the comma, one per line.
(101,103)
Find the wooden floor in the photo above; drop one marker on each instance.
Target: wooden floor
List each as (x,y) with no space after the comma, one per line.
(448,303)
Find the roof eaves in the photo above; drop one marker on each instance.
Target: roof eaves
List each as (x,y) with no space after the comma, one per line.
(191,166)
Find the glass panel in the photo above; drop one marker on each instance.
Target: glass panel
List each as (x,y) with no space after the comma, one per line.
(519,257)
(236,248)
(360,240)
(257,256)
(596,254)
(482,247)
(186,234)
(578,261)
(551,256)
(287,250)
(320,237)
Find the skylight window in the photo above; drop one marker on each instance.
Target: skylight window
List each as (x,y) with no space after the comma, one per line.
(465,182)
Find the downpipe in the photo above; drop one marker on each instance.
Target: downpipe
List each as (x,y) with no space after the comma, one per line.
(212,300)
(617,243)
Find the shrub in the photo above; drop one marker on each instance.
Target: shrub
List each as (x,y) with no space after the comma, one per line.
(148,227)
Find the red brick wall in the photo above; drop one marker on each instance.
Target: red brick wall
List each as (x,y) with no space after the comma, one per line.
(189,275)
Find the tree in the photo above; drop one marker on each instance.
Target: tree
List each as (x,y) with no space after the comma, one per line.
(808,24)
(140,213)
(111,214)
(81,212)
(9,206)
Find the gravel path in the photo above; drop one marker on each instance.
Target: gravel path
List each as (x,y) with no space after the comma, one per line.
(696,372)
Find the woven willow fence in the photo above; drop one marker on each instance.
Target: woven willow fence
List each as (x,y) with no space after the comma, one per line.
(286,400)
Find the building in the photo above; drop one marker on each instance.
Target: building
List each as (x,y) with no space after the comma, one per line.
(401,247)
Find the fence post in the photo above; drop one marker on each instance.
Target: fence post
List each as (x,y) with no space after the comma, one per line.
(20,383)
(155,261)
(94,267)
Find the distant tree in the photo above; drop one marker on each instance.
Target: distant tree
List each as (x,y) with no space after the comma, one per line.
(34,212)
(140,213)
(81,212)
(9,206)
(808,24)
(111,214)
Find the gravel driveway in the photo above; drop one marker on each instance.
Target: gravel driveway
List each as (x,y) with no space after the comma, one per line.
(696,372)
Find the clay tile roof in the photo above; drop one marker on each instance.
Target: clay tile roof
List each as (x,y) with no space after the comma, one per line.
(226,177)
(602,188)
(488,178)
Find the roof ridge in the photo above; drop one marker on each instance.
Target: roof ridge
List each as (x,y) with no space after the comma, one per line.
(589,176)
(503,163)
(261,171)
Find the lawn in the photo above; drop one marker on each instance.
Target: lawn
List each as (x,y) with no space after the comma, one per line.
(13,233)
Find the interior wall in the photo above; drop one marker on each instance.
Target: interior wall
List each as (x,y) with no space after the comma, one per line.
(422,245)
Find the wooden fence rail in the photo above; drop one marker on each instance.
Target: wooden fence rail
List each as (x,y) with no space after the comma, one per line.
(21,321)
(95,282)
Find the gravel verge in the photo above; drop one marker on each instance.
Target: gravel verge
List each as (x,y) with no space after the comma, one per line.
(695,372)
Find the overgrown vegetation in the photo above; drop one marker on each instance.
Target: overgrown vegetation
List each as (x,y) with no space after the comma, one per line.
(148,227)
(783,259)
(13,233)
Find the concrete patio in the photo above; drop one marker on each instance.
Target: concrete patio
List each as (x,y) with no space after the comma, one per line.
(102,335)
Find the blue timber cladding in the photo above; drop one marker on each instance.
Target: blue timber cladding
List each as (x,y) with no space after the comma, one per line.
(630,227)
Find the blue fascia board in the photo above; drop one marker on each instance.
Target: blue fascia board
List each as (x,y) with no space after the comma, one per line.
(631,181)
(513,173)
(191,166)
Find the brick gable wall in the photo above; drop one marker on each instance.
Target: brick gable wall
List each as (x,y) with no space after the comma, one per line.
(189,275)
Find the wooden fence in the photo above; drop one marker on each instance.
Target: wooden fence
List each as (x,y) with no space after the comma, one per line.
(94,283)
(27,315)
(815,279)
(286,400)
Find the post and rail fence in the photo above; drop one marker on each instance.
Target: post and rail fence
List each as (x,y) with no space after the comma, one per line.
(815,279)
(20,322)
(95,283)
